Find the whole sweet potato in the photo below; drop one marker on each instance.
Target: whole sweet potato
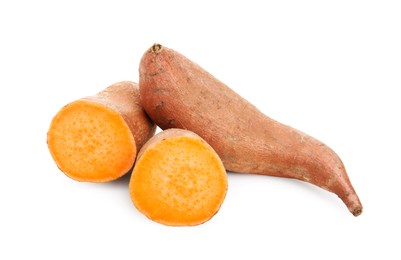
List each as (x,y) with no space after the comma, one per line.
(178,93)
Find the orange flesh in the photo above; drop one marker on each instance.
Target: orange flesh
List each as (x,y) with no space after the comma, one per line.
(179,181)
(91,142)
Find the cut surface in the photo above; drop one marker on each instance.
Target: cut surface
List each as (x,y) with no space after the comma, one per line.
(91,142)
(179,181)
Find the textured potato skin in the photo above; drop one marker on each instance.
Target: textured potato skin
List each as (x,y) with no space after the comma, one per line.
(178,93)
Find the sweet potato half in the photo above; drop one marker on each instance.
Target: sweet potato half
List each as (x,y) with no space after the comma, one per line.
(178,93)
(178,179)
(96,139)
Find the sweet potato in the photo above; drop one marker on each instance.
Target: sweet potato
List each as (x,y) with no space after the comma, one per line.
(96,139)
(178,179)
(178,93)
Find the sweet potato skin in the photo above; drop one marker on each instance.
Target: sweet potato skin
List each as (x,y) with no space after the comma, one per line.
(178,93)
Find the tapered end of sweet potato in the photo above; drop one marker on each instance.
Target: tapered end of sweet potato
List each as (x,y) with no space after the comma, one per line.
(353,203)
(178,180)
(91,142)
(357,211)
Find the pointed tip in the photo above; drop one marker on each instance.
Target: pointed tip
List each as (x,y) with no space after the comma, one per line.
(353,203)
(357,211)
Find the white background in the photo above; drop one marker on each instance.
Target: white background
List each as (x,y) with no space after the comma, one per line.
(329,68)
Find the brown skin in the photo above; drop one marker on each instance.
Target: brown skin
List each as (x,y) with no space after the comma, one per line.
(178,179)
(96,139)
(178,93)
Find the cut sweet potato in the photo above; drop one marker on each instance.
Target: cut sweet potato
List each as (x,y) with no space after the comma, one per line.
(178,179)
(96,139)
